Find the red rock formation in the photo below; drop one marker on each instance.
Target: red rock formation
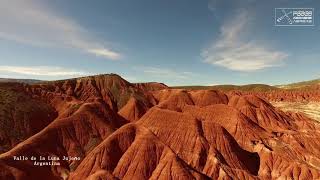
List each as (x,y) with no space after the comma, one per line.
(208,97)
(73,136)
(133,110)
(290,95)
(134,131)
(20,115)
(151,86)
(110,89)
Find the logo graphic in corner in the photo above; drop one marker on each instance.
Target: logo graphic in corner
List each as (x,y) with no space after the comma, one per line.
(294,16)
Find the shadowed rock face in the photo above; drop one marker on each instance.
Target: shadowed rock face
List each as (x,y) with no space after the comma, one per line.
(146,131)
(20,115)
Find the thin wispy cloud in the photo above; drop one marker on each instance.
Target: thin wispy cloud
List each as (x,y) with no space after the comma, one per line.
(45,71)
(233,52)
(164,72)
(29,22)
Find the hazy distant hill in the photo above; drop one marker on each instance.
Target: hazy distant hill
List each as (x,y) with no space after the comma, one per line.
(28,81)
(248,87)
(254,87)
(301,84)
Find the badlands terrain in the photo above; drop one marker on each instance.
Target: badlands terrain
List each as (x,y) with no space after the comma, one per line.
(104,127)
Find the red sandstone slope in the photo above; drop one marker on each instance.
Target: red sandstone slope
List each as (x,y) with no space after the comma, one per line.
(20,115)
(127,131)
(215,141)
(111,89)
(134,109)
(151,86)
(86,115)
(310,93)
(75,135)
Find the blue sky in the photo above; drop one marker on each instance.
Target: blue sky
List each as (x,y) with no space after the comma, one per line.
(178,42)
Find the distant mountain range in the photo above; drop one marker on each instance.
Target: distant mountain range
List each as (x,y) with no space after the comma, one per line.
(27,81)
(248,87)
(253,87)
(224,87)
(301,84)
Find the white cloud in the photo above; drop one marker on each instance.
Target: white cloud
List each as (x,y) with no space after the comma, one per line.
(105,53)
(29,22)
(164,72)
(41,71)
(233,52)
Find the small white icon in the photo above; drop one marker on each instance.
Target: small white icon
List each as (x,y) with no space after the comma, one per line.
(285,15)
